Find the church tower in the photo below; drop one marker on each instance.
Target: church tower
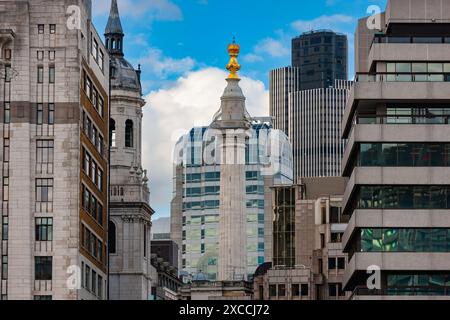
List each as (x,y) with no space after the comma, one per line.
(130,211)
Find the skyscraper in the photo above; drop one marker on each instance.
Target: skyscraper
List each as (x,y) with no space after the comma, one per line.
(307,101)
(396,122)
(54,110)
(315,130)
(130,211)
(322,58)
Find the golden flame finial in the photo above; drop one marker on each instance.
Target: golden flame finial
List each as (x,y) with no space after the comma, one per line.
(233,66)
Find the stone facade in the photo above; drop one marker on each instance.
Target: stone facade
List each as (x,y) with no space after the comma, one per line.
(43,251)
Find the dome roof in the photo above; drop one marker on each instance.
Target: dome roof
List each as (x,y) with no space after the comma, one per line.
(124,76)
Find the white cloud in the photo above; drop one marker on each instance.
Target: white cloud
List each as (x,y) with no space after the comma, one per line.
(170,112)
(273,47)
(335,22)
(153,10)
(160,66)
(251,57)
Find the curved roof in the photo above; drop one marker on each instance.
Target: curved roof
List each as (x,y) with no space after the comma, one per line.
(124,75)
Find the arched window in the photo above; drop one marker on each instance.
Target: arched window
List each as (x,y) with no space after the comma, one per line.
(107,43)
(112,133)
(113,43)
(111,237)
(129,134)
(119,44)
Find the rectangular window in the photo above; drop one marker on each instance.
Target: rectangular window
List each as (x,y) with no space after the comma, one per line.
(87,278)
(100,286)
(7,54)
(5,150)
(40,114)
(331,263)
(52,28)
(94,98)
(101,60)
(281,290)
(101,105)
(295,288)
(4,267)
(94,282)
(44,195)
(305,290)
(332,290)
(341,263)
(40,74)
(95,49)
(272,290)
(40,29)
(43,268)
(7,113)
(51,113)
(51,74)
(4,228)
(8,73)
(40,55)
(42,298)
(44,229)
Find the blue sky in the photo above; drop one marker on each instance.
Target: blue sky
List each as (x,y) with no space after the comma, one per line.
(181,45)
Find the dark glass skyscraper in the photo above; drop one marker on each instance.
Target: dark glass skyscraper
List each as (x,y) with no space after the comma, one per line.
(322,58)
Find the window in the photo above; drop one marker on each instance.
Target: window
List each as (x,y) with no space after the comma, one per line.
(7,113)
(341,263)
(332,290)
(101,105)
(272,290)
(44,190)
(4,267)
(40,29)
(101,60)
(51,74)
(281,290)
(40,114)
(8,73)
(43,268)
(40,74)
(4,228)
(51,113)
(111,237)
(95,49)
(42,298)
(44,195)
(295,288)
(94,282)
(129,134)
(100,286)
(87,278)
(331,263)
(112,133)
(305,290)
(7,54)
(52,28)
(44,229)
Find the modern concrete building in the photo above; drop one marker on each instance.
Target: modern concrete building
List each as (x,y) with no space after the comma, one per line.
(307,261)
(322,57)
(130,212)
(54,108)
(199,223)
(396,123)
(315,123)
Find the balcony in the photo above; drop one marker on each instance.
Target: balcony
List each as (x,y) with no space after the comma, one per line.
(371,88)
(410,48)
(402,293)
(393,261)
(389,129)
(401,176)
